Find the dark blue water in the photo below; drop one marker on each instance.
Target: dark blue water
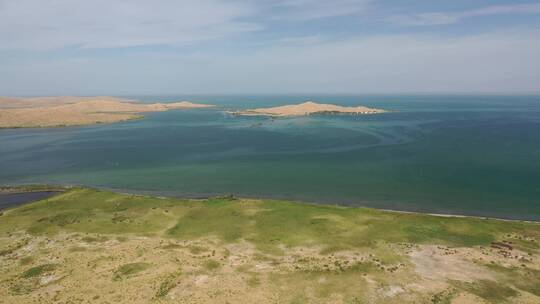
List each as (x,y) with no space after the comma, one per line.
(476,155)
(14,199)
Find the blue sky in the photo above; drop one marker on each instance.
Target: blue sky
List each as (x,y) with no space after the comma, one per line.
(78,47)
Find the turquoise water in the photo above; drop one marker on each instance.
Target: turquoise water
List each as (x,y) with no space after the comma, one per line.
(475,155)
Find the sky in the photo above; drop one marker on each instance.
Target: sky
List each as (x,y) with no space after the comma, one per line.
(166,47)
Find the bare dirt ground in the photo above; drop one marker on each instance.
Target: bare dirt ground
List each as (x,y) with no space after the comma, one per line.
(90,268)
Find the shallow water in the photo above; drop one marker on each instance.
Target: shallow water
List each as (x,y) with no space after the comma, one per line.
(14,199)
(476,155)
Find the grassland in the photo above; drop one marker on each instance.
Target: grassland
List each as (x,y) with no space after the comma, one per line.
(87,245)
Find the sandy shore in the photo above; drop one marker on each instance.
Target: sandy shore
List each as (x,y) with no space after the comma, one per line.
(308,108)
(71,111)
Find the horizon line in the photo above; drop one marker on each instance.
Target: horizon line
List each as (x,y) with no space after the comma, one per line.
(282,94)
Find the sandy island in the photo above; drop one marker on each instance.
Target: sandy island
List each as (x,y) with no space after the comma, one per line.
(71,111)
(308,108)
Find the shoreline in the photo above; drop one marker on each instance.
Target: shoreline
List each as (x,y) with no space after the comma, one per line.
(64,126)
(54,112)
(25,188)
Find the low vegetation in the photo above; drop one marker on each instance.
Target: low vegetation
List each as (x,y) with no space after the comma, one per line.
(38,270)
(127,270)
(86,243)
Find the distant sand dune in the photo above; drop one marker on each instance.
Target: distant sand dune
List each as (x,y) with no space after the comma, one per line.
(71,111)
(308,108)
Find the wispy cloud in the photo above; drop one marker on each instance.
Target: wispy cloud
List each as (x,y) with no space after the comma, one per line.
(441,18)
(46,25)
(496,62)
(259,46)
(41,25)
(303,40)
(303,10)
(34,24)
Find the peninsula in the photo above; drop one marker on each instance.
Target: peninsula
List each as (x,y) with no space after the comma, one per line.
(72,111)
(308,108)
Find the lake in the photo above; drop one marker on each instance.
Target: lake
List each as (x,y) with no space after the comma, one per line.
(473,155)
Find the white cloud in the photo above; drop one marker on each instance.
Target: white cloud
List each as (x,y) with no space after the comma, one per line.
(45,25)
(42,25)
(503,61)
(440,18)
(499,61)
(496,62)
(31,24)
(302,10)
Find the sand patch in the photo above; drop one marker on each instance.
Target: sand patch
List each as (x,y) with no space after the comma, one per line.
(178,271)
(307,108)
(392,291)
(71,111)
(433,262)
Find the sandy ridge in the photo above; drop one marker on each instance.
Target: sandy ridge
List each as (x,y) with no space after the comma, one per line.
(71,111)
(308,108)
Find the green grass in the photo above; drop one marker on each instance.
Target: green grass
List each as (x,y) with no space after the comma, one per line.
(211,265)
(266,223)
(127,270)
(38,270)
(77,249)
(253,281)
(524,279)
(197,249)
(26,260)
(94,239)
(96,217)
(493,292)
(165,286)
(444,297)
